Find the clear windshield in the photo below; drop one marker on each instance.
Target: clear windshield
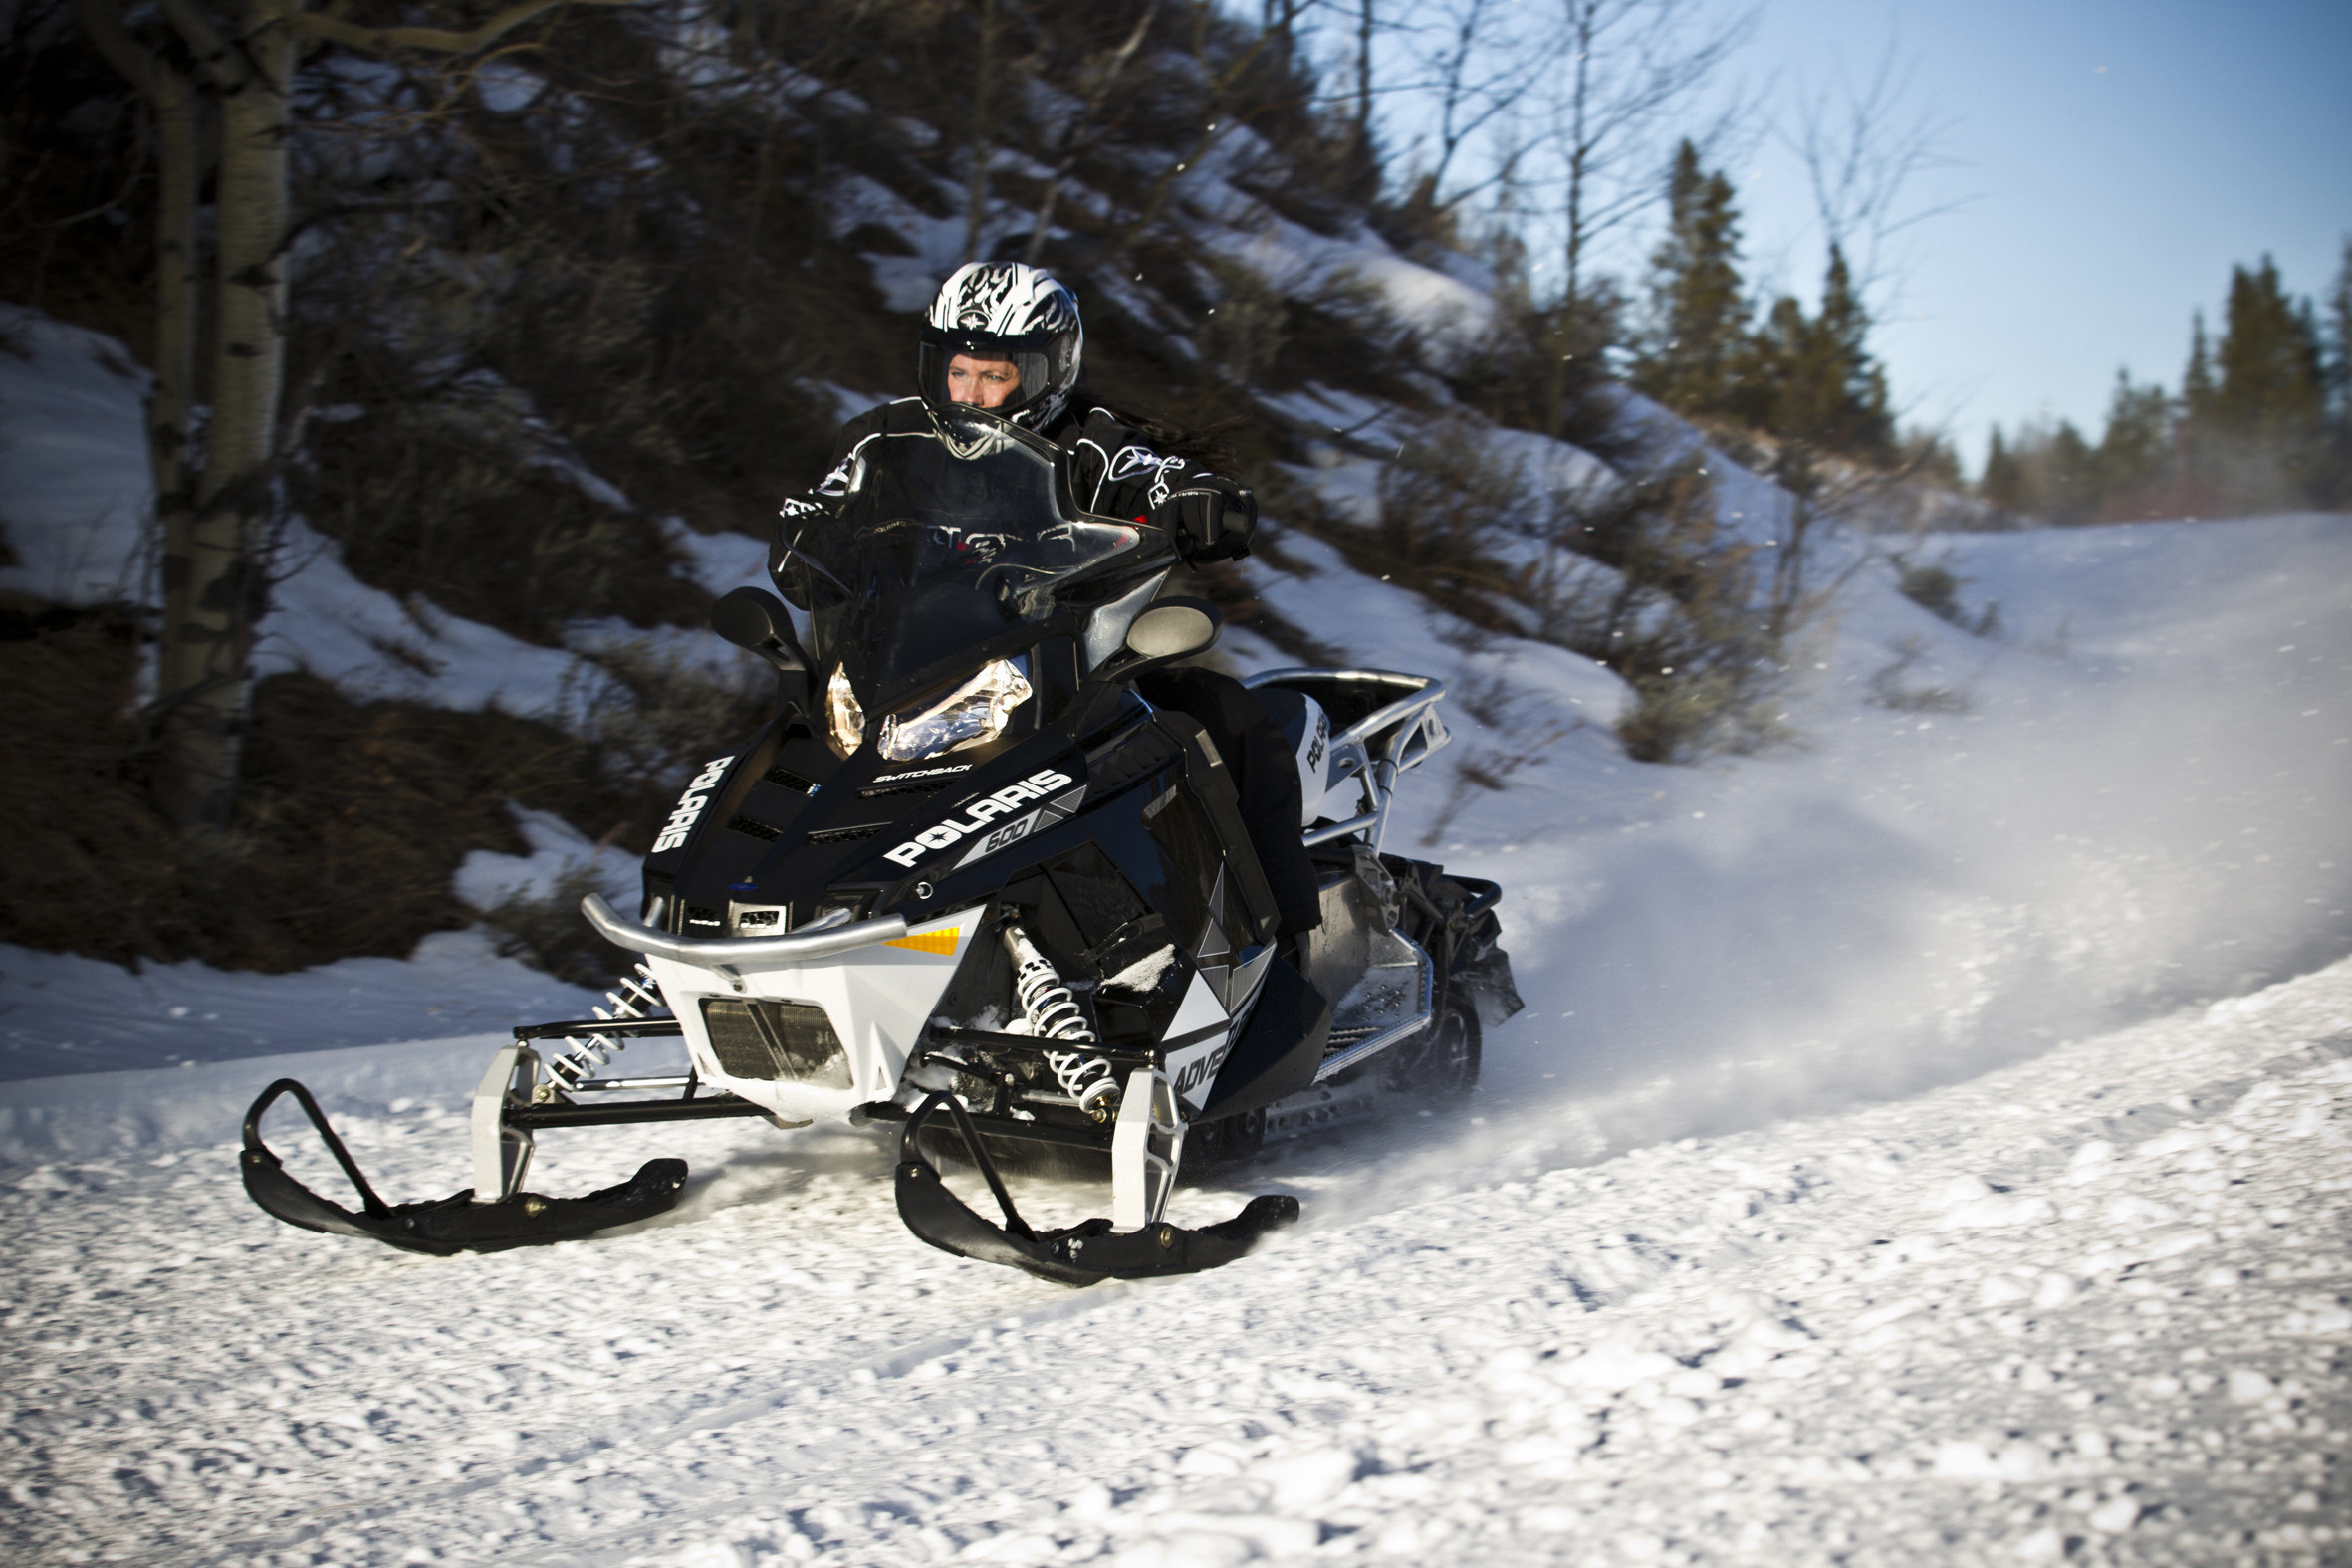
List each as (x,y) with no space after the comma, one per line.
(951,542)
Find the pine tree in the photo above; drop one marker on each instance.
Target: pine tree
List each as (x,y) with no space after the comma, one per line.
(2197,438)
(1690,359)
(2269,408)
(2271,388)
(2335,487)
(2004,480)
(1815,382)
(2069,479)
(2196,382)
(1863,426)
(2135,450)
(2339,320)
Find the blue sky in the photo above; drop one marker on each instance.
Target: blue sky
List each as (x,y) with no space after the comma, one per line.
(2113,160)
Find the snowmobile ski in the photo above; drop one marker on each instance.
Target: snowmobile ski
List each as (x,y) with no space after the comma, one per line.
(1081,1255)
(456,1224)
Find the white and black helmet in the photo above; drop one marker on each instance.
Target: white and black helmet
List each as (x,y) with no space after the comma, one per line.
(1006,310)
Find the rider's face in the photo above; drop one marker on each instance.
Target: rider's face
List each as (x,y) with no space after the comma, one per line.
(984,383)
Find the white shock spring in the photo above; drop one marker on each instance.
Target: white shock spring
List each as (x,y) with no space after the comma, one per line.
(633,996)
(1053,1014)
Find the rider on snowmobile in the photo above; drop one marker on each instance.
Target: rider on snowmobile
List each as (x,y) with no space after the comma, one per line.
(1006,336)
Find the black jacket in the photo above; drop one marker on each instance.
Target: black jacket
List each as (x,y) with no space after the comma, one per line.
(1114,472)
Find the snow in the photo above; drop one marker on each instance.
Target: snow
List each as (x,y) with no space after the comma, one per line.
(1873,1175)
(557,850)
(1441,305)
(373,645)
(61,1013)
(1755,1346)
(76,494)
(74,477)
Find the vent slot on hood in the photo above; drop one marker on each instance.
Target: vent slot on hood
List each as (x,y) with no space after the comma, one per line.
(784,779)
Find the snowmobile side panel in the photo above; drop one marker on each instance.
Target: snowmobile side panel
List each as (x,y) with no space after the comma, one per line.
(1081,1255)
(1279,1052)
(447,1225)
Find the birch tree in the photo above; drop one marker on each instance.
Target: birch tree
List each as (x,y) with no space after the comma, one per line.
(219,79)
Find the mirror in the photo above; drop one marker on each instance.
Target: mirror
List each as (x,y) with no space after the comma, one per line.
(1173,628)
(756,619)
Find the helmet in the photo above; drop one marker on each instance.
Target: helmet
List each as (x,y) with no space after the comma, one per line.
(1006,310)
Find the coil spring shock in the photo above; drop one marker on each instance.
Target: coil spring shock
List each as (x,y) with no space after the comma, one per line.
(1053,1014)
(633,996)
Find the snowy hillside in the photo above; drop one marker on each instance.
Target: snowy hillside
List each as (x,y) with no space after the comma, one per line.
(1873,1177)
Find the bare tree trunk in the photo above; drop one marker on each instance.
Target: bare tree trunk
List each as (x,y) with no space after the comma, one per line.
(214,507)
(976,198)
(179,160)
(1073,144)
(206,671)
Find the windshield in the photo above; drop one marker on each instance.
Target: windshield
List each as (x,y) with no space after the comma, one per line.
(951,541)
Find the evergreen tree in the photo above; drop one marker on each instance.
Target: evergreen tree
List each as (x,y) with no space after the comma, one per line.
(2135,450)
(2196,382)
(2004,480)
(2271,390)
(2335,488)
(2260,440)
(2069,479)
(1698,311)
(2339,357)
(2196,437)
(1815,382)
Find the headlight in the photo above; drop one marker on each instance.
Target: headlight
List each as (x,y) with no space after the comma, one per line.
(843,714)
(974,711)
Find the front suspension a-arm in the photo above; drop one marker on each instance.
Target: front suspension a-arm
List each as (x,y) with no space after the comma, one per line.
(1083,1253)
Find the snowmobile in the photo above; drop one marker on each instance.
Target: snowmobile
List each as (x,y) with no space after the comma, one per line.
(968,880)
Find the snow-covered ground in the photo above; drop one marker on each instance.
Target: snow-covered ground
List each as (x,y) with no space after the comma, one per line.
(1899,1159)
(2087,1305)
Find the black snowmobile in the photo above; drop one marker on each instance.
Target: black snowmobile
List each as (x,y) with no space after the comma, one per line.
(970,881)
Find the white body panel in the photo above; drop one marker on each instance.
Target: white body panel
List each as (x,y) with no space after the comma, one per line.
(876,997)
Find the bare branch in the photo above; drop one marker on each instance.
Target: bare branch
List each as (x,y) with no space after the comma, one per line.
(1861,156)
(215,54)
(383,40)
(102,20)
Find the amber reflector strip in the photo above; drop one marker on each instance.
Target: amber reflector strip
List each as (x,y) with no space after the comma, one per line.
(929,941)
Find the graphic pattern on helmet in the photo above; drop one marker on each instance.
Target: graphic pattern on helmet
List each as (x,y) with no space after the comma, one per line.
(1011,311)
(1003,300)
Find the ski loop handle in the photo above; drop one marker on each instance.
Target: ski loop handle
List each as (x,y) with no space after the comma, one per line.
(369,1202)
(980,1156)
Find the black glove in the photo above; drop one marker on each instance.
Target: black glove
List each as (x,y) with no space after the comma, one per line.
(1209,523)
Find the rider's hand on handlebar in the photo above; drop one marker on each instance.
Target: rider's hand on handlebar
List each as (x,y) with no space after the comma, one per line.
(1209,524)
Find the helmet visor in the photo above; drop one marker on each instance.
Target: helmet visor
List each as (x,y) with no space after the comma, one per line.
(1031,356)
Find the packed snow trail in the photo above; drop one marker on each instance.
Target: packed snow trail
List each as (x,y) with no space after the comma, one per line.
(2096,1296)
(2135,799)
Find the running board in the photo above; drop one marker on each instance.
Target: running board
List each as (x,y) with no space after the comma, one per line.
(1081,1255)
(447,1225)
